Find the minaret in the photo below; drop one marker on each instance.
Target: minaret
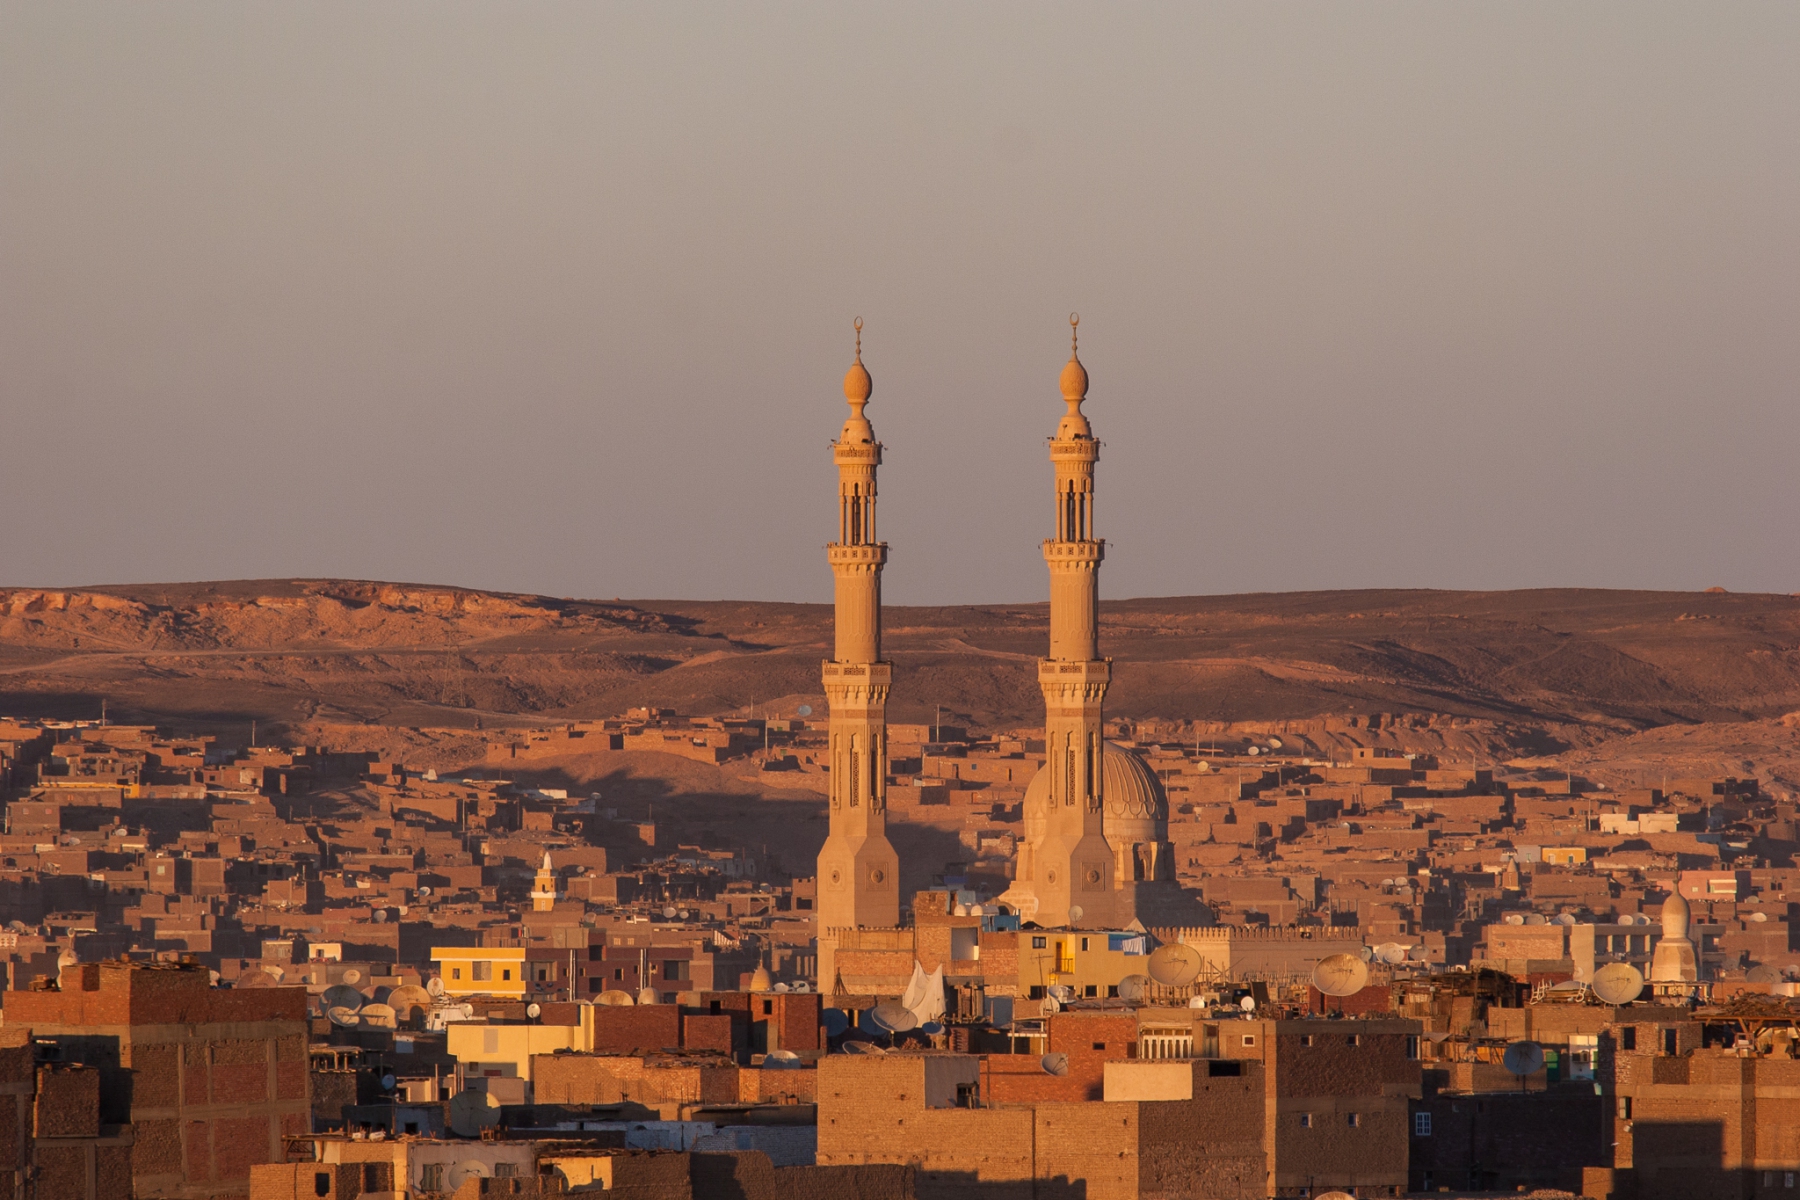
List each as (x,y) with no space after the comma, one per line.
(1072,864)
(858,882)
(543,894)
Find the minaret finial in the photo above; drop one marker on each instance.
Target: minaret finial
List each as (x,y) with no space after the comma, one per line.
(1074,375)
(858,387)
(1074,333)
(858,324)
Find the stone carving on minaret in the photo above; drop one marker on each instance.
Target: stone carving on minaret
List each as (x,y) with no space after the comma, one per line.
(859,872)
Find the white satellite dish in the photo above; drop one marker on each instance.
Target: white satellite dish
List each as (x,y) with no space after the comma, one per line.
(534,1011)
(1248,1004)
(1077,912)
(1062,993)
(471,1168)
(1133,988)
(1762,974)
(1390,952)
(1196,1001)
(352,975)
(802,986)
(1514,918)
(614,998)
(669,911)
(1055,1064)
(1617,983)
(434,987)
(782,988)
(343,1018)
(425,891)
(1523,1058)
(1340,975)
(1174,965)
(782,1060)
(1759,916)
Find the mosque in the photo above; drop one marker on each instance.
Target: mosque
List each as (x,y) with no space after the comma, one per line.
(1096,851)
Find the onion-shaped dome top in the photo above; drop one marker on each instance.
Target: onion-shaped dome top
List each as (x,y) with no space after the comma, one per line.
(759,980)
(1136,807)
(1675,917)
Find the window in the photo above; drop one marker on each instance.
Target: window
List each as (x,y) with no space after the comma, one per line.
(1091,990)
(481,972)
(1624,1108)
(1038,943)
(1037,991)
(505,1170)
(768,1008)
(1584,1050)
(1787,1179)
(1306,1120)
(1306,1039)
(456,972)
(618,972)
(372,1180)
(1412,1045)
(1354,1039)
(1628,1038)
(506,973)
(1421,1124)
(1354,1120)
(1084,942)
(431,1177)
(321,1183)
(1099,1045)
(1671,1042)
(1249,1039)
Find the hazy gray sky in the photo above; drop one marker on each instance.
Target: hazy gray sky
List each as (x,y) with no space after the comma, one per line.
(557,297)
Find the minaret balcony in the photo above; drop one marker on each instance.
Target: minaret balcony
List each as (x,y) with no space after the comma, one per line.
(868,554)
(1074,554)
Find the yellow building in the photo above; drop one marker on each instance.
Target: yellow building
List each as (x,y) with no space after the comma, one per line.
(480,970)
(1092,962)
(504,1051)
(1564,856)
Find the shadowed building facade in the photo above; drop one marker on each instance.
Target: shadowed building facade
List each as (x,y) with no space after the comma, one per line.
(859,873)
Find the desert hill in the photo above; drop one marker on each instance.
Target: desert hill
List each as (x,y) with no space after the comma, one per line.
(292,652)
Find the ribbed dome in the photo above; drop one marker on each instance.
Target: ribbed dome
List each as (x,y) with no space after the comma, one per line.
(858,387)
(1137,808)
(1074,380)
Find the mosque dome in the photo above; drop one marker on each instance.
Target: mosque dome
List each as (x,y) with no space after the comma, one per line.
(858,387)
(760,981)
(1136,807)
(1675,916)
(1074,380)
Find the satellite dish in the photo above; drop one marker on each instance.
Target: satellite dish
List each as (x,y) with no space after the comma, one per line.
(342,995)
(1759,916)
(646,996)
(352,975)
(1523,1058)
(1248,1004)
(1077,912)
(1062,993)
(802,986)
(434,987)
(387,1083)
(834,1021)
(1617,983)
(1133,988)
(1196,1001)
(409,1002)
(614,998)
(425,891)
(1514,918)
(534,1011)
(468,1169)
(1390,952)
(471,1111)
(1174,965)
(1055,1064)
(254,979)
(1340,975)
(862,1048)
(781,1060)
(891,1016)
(343,1018)
(804,710)
(669,911)
(1275,742)
(1337,1196)
(377,1016)
(1761,974)
(782,988)
(1536,919)
(1565,918)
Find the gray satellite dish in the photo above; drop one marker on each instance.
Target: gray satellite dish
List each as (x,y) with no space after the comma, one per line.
(891,1016)
(614,998)
(1340,975)
(1514,918)
(1174,965)
(669,911)
(1536,919)
(409,1000)
(343,1018)
(471,1111)
(1077,912)
(342,995)
(1390,952)
(782,1060)
(1617,983)
(781,988)
(1132,988)
(1055,1064)
(1565,918)
(1062,993)
(1523,1058)
(387,1082)
(1762,974)
(804,710)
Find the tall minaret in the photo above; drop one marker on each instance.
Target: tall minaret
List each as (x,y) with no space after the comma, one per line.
(1072,863)
(859,873)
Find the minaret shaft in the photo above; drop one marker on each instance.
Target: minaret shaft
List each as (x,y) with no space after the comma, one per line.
(859,873)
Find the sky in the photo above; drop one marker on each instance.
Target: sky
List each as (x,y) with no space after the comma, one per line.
(557,297)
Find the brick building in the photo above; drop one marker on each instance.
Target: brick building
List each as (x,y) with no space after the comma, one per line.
(209,1080)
